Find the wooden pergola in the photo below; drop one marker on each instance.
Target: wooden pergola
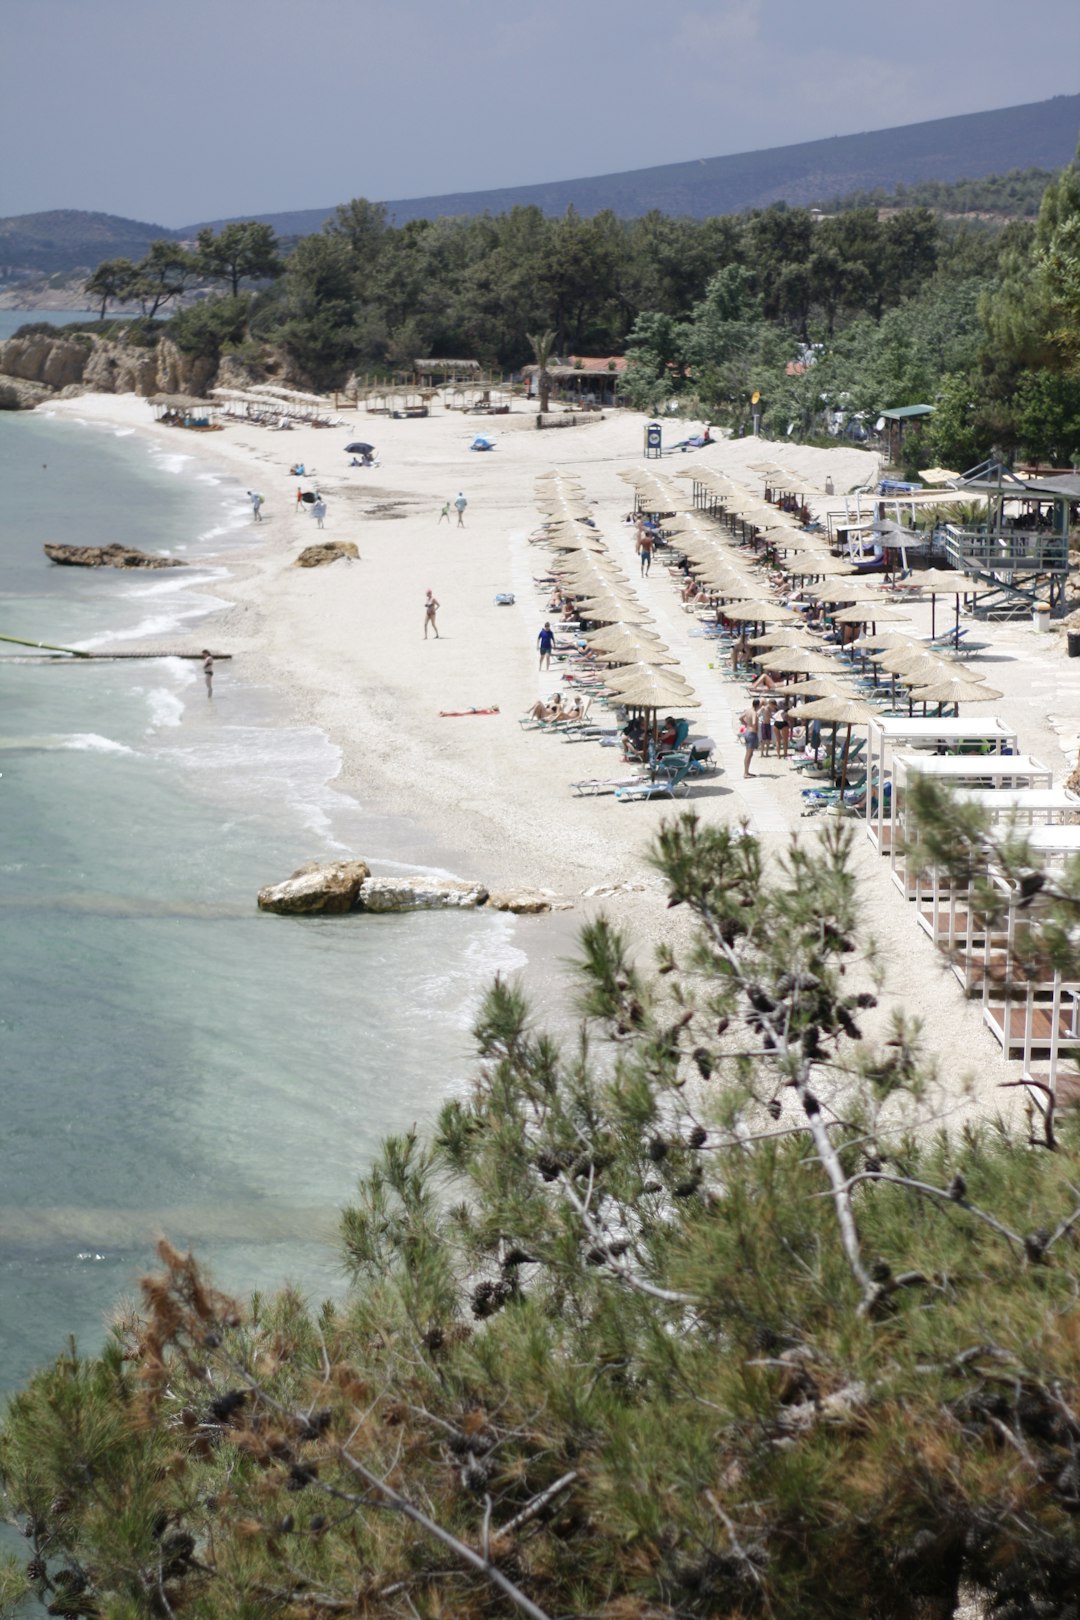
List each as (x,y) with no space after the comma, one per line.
(436,373)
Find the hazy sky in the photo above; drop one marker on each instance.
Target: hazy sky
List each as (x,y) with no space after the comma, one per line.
(174,113)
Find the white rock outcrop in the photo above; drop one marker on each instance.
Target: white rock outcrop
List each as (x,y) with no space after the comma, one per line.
(420,894)
(327,887)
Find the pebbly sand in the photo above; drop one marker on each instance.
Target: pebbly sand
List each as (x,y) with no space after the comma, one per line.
(344,645)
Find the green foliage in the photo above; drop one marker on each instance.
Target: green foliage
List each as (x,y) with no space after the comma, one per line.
(243,251)
(208,328)
(1016,194)
(698,1314)
(113,281)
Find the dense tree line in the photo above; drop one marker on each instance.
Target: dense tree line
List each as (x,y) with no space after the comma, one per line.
(1016,194)
(826,318)
(703,1312)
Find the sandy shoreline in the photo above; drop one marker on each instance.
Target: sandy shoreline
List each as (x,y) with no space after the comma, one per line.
(344,647)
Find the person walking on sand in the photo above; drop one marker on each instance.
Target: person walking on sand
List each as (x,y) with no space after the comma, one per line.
(751,735)
(318,511)
(645,543)
(546,641)
(444,515)
(299,499)
(208,671)
(460,503)
(431,607)
(256,505)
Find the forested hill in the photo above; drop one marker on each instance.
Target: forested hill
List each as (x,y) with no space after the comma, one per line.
(70,239)
(1041,135)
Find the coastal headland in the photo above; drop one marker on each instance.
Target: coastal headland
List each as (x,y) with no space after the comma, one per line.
(429,729)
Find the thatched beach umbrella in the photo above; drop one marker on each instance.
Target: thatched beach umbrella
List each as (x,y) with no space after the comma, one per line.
(859,613)
(814,686)
(619,644)
(610,609)
(759,612)
(837,711)
(801,661)
(953,689)
(854,589)
(646,687)
(650,686)
(944,582)
(885,641)
(785,636)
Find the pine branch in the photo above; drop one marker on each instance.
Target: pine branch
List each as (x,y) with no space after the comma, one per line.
(947,1196)
(397,1503)
(537,1505)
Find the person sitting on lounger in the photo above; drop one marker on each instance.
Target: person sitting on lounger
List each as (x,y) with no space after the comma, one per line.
(691,590)
(669,733)
(765,682)
(552,710)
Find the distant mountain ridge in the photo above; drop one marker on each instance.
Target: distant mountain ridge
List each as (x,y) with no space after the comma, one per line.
(1041,134)
(967,146)
(65,238)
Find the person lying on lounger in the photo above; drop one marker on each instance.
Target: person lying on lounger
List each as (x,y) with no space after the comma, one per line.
(552,710)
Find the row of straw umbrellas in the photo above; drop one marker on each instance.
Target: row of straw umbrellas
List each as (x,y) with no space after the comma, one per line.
(639,671)
(730,560)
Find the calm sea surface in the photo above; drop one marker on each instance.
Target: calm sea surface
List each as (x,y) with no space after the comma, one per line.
(171,1060)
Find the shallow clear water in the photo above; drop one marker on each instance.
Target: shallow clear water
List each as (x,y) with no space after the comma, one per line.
(170,1059)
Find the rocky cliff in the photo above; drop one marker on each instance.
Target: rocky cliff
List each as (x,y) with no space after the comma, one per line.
(40,366)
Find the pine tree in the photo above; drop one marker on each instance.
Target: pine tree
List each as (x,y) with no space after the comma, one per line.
(702,1314)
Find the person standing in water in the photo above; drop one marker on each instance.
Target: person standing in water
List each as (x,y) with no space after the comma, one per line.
(256,505)
(431,607)
(208,671)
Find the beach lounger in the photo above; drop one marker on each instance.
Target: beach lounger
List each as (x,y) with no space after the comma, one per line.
(592,786)
(665,785)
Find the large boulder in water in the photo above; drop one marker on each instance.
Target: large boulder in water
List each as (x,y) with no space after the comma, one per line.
(327,551)
(327,887)
(420,894)
(114,556)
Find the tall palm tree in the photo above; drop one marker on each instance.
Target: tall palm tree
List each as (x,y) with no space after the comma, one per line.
(542,347)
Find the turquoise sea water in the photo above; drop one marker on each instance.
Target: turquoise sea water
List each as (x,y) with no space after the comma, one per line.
(171,1060)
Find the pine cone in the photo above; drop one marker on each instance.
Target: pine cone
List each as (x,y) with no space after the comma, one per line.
(36,1570)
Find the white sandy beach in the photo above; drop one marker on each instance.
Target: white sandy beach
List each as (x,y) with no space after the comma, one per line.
(345,645)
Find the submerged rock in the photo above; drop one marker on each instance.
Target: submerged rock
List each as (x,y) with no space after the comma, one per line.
(420,894)
(327,551)
(114,556)
(329,887)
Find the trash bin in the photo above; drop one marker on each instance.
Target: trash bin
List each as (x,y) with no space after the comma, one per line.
(1074,643)
(1040,618)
